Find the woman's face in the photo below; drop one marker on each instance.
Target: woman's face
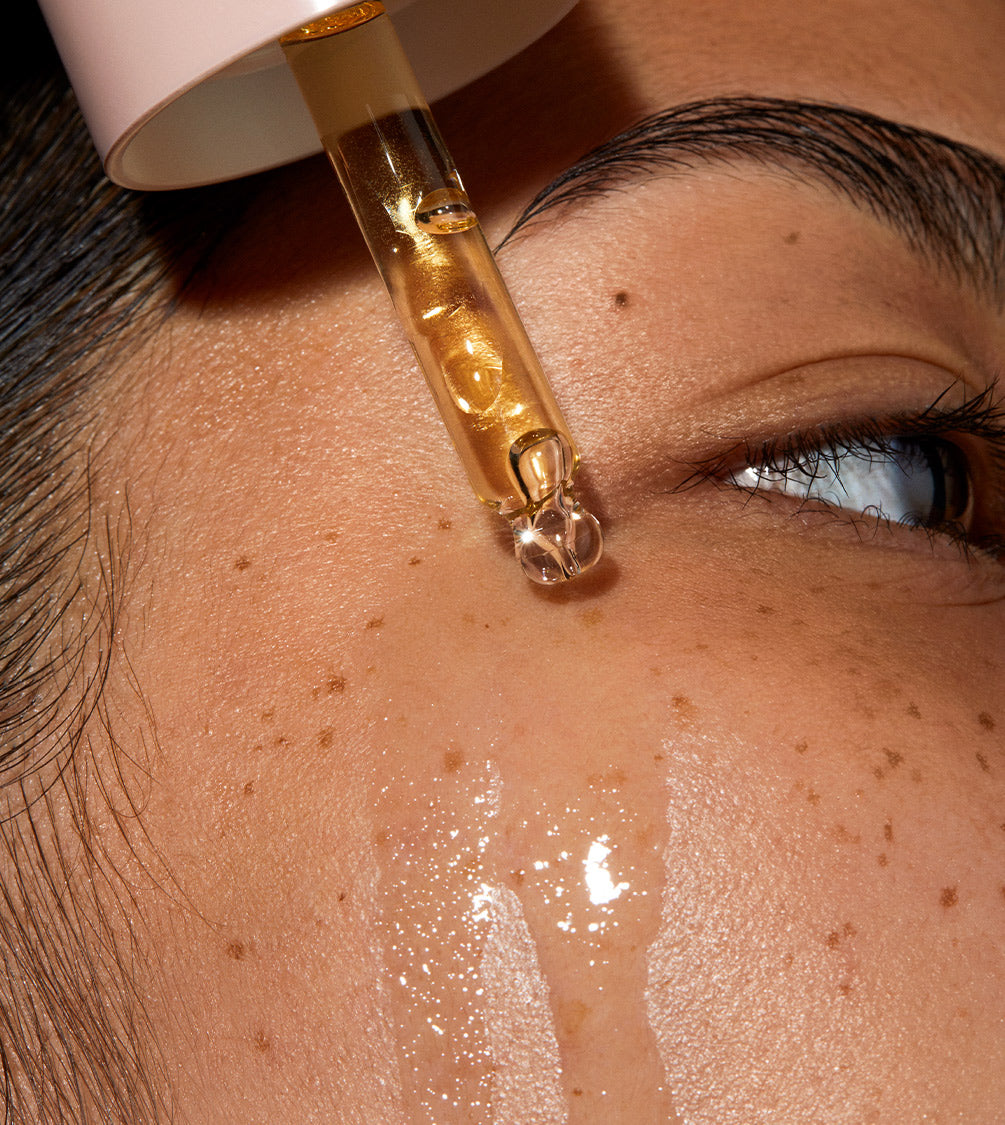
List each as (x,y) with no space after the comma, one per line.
(711,836)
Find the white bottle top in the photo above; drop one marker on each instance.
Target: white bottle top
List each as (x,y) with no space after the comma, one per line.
(179,93)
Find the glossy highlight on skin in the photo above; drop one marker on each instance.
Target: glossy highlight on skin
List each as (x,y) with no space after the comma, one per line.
(464,964)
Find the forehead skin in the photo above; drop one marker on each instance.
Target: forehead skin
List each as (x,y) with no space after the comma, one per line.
(714,837)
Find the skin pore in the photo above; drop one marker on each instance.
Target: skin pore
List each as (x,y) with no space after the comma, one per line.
(713,836)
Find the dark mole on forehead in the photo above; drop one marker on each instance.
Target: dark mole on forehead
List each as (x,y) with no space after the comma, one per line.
(986,721)
(949,897)
(621,298)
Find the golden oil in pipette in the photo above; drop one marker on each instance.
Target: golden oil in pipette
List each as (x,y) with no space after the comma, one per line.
(429,247)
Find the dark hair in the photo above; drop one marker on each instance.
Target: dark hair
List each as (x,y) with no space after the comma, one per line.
(88,269)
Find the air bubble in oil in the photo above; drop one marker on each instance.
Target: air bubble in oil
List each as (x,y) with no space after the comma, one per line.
(445,211)
(474,380)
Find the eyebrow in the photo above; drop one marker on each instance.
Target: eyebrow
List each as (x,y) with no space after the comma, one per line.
(945,198)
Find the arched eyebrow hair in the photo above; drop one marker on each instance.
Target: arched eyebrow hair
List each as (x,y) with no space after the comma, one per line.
(945,198)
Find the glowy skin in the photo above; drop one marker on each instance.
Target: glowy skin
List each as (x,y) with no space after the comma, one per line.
(714,835)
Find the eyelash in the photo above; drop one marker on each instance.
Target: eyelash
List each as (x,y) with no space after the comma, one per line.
(973,432)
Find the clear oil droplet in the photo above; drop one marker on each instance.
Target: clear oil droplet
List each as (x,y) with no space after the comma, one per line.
(555,537)
(445,211)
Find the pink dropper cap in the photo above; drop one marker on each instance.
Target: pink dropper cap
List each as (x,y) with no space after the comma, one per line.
(178,93)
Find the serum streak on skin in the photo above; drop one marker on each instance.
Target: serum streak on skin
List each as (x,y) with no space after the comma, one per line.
(588,880)
(476,1039)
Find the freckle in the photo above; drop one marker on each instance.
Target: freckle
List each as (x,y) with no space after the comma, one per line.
(281,740)
(242,563)
(325,738)
(833,939)
(382,838)
(261,1043)
(577,1093)
(453,760)
(443,525)
(342,896)
(621,298)
(791,239)
(882,860)
(1002,889)
(683,706)
(236,951)
(949,897)
(916,776)
(845,989)
(802,747)
(893,757)
(657,757)
(912,710)
(375,622)
(888,831)
(613,780)
(331,536)
(572,1015)
(518,877)
(592,617)
(249,788)
(878,773)
(986,721)
(849,929)
(268,716)
(336,685)
(414,560)
(845,836)
(766,609)
(813,797)
(982,762)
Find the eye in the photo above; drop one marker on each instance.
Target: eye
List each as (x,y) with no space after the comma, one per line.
(915,480)
(941,470)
